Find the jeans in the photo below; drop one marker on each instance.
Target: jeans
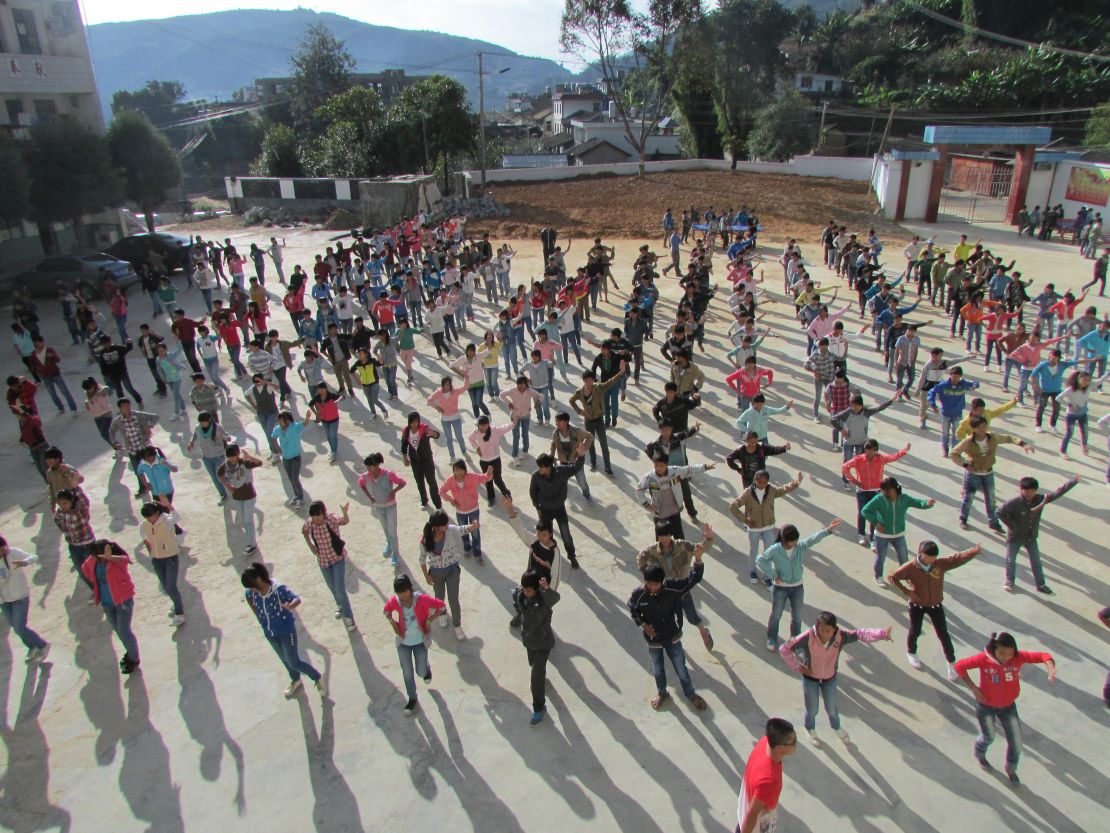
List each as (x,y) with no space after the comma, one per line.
(597,428)
(331,431)
(77,554)
(119,382)
(580,476)
(244,517)
(1008,367)
(155,305)
(537,661)
(207,295)
(119,617)
(850,450)
(16,614)
(611,404)
(521,429)
(387,517)
(414,660)
(689,610)
(767,537)
(1070,421)
(54,384)
(233,354)
(940,626)
(570,340)
(390,373)
(477,392)
(491,381)
(543,407)
(779,597)
(678,660)
(881,546)
(39,459)
(372,401)
(166,570)
(1024,374)
(292,466)
(211,464)
(862,497)
(1042,403)
(1012,549)
(472,541)
(1011,727)
(268,423)
(285,646)
(974,333)
(446,582)
(449,425)
(335,577)
(907,373)
(212,371)
(948,431)
(813,690)
(178,401)
(972,483)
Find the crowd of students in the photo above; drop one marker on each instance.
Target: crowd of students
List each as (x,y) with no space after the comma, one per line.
(382,302)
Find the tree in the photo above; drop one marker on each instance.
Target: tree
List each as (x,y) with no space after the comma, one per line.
(612,36)
(279,156)
(452,129)
(17,181)
(782,129)
(1097,133)
(322,67)
(158,100)
(149,164)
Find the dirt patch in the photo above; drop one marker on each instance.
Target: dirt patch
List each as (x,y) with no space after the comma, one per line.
(625,206)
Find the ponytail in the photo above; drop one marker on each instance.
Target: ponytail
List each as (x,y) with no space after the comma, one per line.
(1000,640)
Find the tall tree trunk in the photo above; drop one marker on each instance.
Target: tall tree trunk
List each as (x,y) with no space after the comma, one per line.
(148,215)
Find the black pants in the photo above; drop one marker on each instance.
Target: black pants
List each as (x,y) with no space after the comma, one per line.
(940,625)
(190,348)
(425,475)
(674,526)
(559,516)
(537,660)
(118,382)
(485,465)
(27,361)
(1044,399)
(637,361)
(135,460)
(597,428)
(688,499)
(441,344)
(161,386)
(283,385)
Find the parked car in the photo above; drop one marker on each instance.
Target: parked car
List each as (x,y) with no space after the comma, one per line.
(86,272)
(134,249)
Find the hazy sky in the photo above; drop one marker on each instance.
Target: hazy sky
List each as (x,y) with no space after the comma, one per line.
(527,26)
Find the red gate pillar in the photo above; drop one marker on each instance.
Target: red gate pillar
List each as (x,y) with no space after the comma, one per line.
(1019,187)
(932,205)
(903,188)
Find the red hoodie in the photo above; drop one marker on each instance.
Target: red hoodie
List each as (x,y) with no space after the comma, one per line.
(1000,683)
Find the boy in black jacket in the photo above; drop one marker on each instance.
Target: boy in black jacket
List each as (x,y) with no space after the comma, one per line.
(548,493)
(533,602)
(656,607)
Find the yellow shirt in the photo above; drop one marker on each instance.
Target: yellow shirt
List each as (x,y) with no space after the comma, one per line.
(964,428)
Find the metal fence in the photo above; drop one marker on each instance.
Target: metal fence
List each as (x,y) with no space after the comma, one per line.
(979,195)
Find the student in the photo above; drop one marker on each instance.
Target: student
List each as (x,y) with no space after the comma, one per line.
(486,440)
(656,607)
(588,403)
(206,397)
(755,508)
(887,514)
(156,474)
(948,398)
(273,604)
(73,518)
(380,485)
(854,425)
(441,550)
(533,602)
(365,370)
(548,491)
(236,477)
(212,439)
(752,457)
(758,803)
(1075,398)
(783,563)
(674,556)
(15,599)
(325,407)
(979,408)
(977,456)
(461,491)
(865,472)
(287,435)
(660,490)
(410,614)
(1022,518)
(416,453)
(921,581)
(757,417)
(815,655)
(446,402)
(997,692)
(106,571)
(321,533)
(160,538)
(520,400)
(1048,382)
(130,432)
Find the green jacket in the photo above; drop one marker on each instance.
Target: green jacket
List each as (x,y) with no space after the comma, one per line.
(891,513)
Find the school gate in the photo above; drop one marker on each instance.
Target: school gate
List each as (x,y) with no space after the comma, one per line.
(976,188)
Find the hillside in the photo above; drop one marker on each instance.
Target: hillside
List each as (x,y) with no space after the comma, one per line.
(215,54)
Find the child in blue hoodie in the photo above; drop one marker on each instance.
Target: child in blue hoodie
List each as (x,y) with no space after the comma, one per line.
(949,398)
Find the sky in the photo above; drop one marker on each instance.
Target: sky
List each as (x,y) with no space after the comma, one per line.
(530,27)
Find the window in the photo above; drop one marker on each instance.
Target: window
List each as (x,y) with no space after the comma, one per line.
(15,108)
(806,82)
(26,31)
(597,106)
(46,109)
(829,86)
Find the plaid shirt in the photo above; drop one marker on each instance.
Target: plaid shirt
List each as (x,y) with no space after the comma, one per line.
(321,537)
(823,364)
(74,522)
(839,397)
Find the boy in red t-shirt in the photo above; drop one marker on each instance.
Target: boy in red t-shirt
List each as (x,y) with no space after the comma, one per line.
(758,802)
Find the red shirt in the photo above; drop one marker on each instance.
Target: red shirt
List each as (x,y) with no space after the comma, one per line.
(185,329)
(328,409)
(1000,683)
(229,332)
(321,270)
(762,780)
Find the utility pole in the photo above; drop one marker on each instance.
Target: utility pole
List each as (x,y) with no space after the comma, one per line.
(821,129)
(882,143)
(482,121)
(424,130)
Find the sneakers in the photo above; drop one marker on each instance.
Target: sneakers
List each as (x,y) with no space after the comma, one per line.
(1008,587)
(706,638)
(844,736)
(293,687)
(983,762)
(996,527)
(771,645)
(964,524)
(443,623)
(1011,773)
(349,624)
(128,665)
(880,581)
(178,620)
(428,676)
(338,613)
(1044,588)
(753,578)
(38,654)
(410,708)
(331,458)
(574,565)
(950,670)
(222,500)
(915,663)
(297,503)
(460,634)
(251,549)
(812,735)
(1039,430)
(862,541)
(322,687)
(537,718)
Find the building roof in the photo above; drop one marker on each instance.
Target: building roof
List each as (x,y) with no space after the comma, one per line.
(554,141)
(541,113)
(590,144)
(590,94)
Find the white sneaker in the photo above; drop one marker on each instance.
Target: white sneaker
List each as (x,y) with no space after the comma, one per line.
(177,621)
(293,687)
(952,675)
(41,654)
(331,458)
(1039,430)
(863,542)
(443,622)
(880,581)
(844,736)
(297,503)
(812,735)
(350,624)
(338,613)
(460,634)
(914,661)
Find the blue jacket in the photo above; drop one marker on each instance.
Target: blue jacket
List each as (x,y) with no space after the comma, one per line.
(778,562)
(274,619)
(952,398)
(1048,379)
(1096,343)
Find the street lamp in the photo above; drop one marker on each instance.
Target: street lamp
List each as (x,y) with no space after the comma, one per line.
(482,114)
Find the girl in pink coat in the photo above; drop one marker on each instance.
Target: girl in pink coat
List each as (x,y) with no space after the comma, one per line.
(411,613)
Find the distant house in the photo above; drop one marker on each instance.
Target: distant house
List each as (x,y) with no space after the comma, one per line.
(662,143)
(814,83)
(570,101)
(542,116)
(387,84)
(559,143)
(597,152)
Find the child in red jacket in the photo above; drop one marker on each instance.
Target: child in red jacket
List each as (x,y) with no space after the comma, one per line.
(999,685)
(411,613)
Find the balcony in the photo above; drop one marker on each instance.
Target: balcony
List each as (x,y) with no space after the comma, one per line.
(45,75)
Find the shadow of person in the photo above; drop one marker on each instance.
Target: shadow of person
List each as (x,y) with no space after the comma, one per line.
(336,807)
(25,783)
(145,780)
(100,694)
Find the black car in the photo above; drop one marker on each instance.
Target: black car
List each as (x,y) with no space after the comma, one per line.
(173,248)
(86,272)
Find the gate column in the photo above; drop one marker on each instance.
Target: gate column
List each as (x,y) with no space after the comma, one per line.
(936,183)
(1023,166)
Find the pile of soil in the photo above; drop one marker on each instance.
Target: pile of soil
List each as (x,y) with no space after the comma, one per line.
(342,220)
(626,206)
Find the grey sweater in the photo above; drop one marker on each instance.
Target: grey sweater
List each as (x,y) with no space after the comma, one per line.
(852,426)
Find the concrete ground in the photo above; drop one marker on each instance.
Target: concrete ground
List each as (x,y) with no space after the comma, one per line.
(202,738)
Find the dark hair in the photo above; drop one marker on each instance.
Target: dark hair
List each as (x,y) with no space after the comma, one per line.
(437,518)
(545,461)
(317,507)
(929,548)
(787,534)
(562,416)
(977,402)
(780,732)
(663,527)
(856,400)
(53,453)
(257,570)
(871,443)
(655,573)
(1028,483)
(1000,640)
(375,459)
(232,451)
(402,583)
(890,483)
(531,580)
(545,526)
(660,457)
(976,421)
(671,386)
(826,618)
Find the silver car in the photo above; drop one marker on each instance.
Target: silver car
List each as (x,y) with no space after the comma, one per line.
(86,272)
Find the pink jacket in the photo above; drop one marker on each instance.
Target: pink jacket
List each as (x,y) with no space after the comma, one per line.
(807,649)
(748,384)
(465,493)
(868,474)
(820,327)
(490,449)
(1030,354)
(447,400)
(119,579)
(423,604)
(520,401)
